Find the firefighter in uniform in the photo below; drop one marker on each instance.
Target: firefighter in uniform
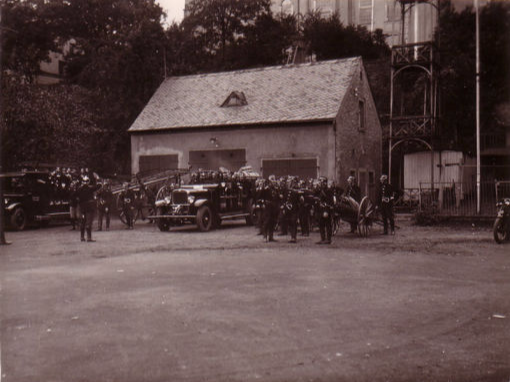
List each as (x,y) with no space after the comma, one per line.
(283,220)
(305,204)
(74,211)
(87,206)
(385,198)
(325,204)
(260,205)
(127,202)
(104,205)
(270,196)
(291,206)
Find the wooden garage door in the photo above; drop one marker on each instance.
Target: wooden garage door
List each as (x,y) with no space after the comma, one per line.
(149,164)
(214,159)
(304,168)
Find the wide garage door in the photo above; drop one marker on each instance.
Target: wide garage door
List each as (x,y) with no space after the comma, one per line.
(149,164)
(214,159)
(304,168)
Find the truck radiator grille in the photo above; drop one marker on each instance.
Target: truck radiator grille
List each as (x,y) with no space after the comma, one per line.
(179,197)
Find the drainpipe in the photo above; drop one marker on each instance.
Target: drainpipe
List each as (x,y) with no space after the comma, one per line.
(335,134)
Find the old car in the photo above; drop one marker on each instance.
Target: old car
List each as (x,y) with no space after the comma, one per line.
(205,205)
(30,199)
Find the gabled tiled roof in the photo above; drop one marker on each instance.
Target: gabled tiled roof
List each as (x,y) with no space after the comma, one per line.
(305,92)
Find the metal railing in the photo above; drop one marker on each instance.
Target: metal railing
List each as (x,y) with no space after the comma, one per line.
(460,198)
(455,199)
(408,200)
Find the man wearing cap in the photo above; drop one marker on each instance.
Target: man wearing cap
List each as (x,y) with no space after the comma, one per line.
(325,206)
(385,199)
(271,199)
(127,200)
(104,205)
(87,204)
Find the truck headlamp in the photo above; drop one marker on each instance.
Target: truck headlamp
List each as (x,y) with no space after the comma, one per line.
(191,199)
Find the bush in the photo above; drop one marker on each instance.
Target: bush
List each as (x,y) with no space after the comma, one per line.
(428,217)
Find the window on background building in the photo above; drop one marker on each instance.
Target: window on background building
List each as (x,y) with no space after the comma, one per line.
(371,178)
(350,12)
(149,164)
(365,12)
(362,115)
(392,13)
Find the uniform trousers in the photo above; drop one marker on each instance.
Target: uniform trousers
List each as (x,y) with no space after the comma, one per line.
(326,226)
(387,213)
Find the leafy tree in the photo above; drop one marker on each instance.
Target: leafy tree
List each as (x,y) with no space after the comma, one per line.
(51,124)
(221,24)
(26,37)
(458,66)
(329,39)
(117,54)
(265,41)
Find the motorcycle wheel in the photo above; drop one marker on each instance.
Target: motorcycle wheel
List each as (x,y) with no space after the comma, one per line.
(500,231)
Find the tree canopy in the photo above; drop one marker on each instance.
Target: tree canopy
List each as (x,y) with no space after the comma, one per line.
(116,57)
(456,39)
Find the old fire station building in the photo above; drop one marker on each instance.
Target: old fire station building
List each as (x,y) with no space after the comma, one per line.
(310,120)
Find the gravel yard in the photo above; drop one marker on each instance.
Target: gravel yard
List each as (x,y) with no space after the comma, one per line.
(429,304)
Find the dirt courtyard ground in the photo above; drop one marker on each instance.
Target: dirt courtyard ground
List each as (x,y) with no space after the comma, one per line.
(429,304)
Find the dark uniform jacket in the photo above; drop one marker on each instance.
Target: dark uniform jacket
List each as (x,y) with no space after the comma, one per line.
(104,198)
(386,194)
(354,192)
(127,199)
(85,196)
(326,197)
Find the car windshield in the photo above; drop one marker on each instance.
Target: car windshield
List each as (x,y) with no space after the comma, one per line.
(14,185)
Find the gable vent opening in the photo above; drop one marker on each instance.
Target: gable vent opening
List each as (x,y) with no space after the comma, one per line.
(235,98)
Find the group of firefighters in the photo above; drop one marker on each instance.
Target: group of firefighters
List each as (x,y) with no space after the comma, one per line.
(89,195)
(286,203)
(290,202)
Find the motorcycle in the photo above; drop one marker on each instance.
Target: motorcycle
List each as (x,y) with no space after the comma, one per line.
(501,227)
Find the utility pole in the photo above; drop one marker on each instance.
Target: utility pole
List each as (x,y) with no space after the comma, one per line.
(3,241)
(478,175)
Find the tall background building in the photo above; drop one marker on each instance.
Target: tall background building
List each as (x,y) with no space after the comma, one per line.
(419,24)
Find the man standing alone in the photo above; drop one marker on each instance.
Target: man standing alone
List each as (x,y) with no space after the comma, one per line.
(87,206)
(385,199)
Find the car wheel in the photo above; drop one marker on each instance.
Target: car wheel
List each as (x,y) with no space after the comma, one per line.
(19,219)
(204,218)
(163,224)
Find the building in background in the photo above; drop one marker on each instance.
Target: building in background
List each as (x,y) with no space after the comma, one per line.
(420,20)
(52,71)
(309,120)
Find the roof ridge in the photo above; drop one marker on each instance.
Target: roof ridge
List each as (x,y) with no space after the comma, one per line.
(266,68)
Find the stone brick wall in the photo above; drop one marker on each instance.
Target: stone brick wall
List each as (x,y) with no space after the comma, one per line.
(358,150)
